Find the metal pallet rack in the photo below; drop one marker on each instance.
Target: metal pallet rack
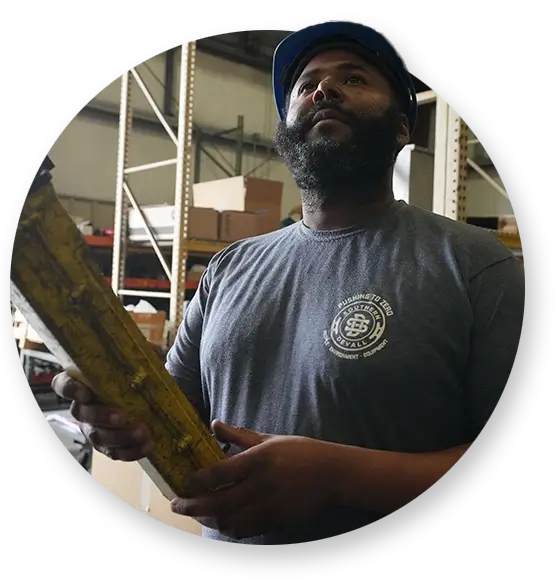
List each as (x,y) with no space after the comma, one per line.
(183,186)
(451,161)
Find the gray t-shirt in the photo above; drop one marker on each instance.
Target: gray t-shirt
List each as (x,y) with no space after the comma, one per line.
(397,336)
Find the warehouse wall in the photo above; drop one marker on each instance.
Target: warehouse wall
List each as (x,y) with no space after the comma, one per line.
(483,200)
(85,153)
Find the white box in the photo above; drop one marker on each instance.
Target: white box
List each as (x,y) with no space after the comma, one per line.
(222,195)
(160,219)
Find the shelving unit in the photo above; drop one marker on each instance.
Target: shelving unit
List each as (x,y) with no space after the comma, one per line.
(183,187)
(201,248)
(451,162)
(194,247)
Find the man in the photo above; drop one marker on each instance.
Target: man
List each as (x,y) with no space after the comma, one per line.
(350,359)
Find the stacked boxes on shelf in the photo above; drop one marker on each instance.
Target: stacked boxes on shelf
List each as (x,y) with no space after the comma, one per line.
(224,210)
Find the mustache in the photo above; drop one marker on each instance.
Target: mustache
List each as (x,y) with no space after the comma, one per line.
(305,123)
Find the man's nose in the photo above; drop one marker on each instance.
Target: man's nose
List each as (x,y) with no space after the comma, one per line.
(327,90)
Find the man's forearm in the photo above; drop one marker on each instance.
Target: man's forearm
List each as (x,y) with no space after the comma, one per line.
(381,481)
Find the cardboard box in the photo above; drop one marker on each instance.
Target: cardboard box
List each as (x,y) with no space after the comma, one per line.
(264,198)
(194,276)
(508,224)
(243,194)
(130,483)
(238,225)
(196,272)
(202,224)
(152,325)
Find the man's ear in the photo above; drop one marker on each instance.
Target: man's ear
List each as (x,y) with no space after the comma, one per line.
(403,132)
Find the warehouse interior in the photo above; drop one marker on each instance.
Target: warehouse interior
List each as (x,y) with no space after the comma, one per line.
(168,144)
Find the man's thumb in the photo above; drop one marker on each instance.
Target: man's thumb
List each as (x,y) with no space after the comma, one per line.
(239,436)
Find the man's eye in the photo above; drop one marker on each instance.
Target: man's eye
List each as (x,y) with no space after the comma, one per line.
(354,80)
(306,87)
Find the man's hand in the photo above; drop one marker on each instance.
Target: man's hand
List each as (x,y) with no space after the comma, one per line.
(276,481)
(280,481)
(107,429)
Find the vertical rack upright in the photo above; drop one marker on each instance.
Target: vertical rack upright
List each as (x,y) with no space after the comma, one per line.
(450,158)
(183,186)
(451,163)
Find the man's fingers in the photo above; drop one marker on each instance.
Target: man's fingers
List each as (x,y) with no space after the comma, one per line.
(98,415)
(104,427)
(238,512)
(112,438)
(225,473)
(131,454)
(242,437)
(68,388)
(220,504)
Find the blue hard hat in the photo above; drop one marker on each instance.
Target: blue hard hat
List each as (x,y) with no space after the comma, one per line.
(293,51)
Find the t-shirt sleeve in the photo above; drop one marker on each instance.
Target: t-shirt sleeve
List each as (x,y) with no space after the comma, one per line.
(497,296)
(182,361)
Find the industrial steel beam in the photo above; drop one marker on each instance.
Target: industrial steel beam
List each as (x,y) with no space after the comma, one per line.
(450,163)
(229,52)
(107,111)
(169,62)
(184,188)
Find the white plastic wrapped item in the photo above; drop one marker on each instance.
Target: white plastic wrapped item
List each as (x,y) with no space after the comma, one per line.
(141,307)
(71,437)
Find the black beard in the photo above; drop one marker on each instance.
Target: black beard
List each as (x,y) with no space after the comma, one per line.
(328,171)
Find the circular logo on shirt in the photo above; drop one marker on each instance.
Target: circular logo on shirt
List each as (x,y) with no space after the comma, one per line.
(358,328)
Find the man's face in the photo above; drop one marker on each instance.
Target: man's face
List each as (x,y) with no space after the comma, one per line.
(343,125)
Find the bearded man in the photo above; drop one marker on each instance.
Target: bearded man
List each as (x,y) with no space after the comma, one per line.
(351,358)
